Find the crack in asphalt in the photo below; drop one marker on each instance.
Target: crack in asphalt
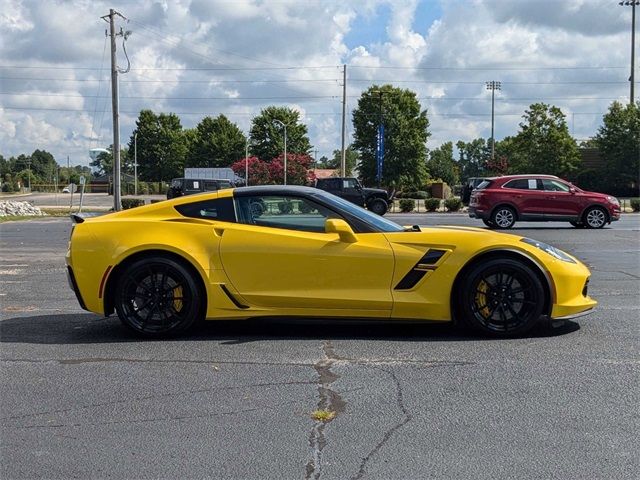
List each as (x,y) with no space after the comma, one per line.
(389,433)
(328,400)
(165,419)
(151,397)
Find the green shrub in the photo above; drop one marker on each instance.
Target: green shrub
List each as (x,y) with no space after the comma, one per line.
(407,205)
(453,204)
(128,203)
(419,195)
(635,204)
(432,204)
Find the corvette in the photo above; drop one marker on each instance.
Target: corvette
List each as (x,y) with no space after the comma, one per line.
(296,251)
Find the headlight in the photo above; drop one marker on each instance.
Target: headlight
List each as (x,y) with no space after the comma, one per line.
(553,251)
(613,200)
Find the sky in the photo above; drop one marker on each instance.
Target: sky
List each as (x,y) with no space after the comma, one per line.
(206,57)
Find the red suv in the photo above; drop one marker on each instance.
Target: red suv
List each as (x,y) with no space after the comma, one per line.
(501,201)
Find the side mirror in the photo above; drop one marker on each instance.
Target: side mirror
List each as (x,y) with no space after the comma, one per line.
(572,190)
(342,228)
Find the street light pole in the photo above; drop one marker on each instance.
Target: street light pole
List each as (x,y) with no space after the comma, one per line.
(633,4)
(285,148)
(135,163)
(493,86)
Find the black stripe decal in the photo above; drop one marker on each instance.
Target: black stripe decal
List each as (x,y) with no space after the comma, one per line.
(426,263)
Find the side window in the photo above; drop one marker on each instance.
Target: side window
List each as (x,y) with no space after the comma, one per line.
(348,183)
(519,183)
(281,211)
(333,184)
(554,186)
(210,185)
(193,185)
(218,209)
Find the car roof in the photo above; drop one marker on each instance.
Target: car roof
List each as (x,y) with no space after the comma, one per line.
(527,175)
(276,190)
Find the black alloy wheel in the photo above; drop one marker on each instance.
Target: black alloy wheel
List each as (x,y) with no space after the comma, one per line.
(503,217)
(502,297)
(577,224)
(595,217)
(378,206)
(158,296)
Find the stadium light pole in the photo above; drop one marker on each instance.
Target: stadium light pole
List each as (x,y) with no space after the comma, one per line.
(493,86)
(284,125)
(633,4)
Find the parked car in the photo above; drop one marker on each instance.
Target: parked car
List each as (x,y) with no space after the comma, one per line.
(349,188)
(214,256)
(190,186)
(501,201)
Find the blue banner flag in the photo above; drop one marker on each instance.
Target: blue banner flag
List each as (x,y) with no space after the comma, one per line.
(380,152)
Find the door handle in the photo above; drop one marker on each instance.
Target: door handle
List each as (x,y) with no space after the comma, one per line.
(218,231)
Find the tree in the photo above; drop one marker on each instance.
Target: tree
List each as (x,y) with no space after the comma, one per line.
(258,170)
(267,136)
(543,144)
(618,140)
(103,164)
(298,169)
(335,162)
(405,136)
(217,142)
(43,166)
(473,157)
(442,165)
(162,146)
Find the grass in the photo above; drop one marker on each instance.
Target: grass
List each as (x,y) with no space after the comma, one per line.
(323,415)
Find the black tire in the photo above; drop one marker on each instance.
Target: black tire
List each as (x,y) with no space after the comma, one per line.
(595,217)
(158,296)
(378,206)
(500,297)
(503,217)
(577,224)
(488,223)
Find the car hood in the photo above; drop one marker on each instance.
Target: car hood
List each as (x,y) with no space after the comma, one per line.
(378,191)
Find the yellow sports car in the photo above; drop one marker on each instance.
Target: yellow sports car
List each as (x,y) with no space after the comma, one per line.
(298,251)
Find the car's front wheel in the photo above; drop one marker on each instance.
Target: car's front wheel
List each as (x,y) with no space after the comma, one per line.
(501,297)
(595,217)
(378,206)
(503,217)
(158,296)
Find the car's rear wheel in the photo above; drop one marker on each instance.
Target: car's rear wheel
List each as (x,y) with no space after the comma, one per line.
(577,224)
(595,217)
(503,217)
(158,296)
(501,297)
(488,223)
(378,206)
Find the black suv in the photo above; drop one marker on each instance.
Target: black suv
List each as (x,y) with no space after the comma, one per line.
(375,199)
(189,186)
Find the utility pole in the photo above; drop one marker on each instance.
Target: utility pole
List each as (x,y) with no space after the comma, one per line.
(135,163)
(633,4)
(493,86)
(343,161)
(379,139)
(117,204)
(29,169)
(246,163)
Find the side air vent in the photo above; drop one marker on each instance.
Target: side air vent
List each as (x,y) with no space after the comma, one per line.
(426,263)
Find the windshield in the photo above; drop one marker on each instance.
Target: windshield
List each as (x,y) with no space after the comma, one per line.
(484,184)
(376,221)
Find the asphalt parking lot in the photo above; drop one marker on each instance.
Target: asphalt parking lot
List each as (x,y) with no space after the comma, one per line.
(83,398)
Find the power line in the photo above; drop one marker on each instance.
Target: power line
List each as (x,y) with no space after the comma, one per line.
(287,97)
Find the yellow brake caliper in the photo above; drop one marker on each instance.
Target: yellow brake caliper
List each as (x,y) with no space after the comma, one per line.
(177,295)
(482,300)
